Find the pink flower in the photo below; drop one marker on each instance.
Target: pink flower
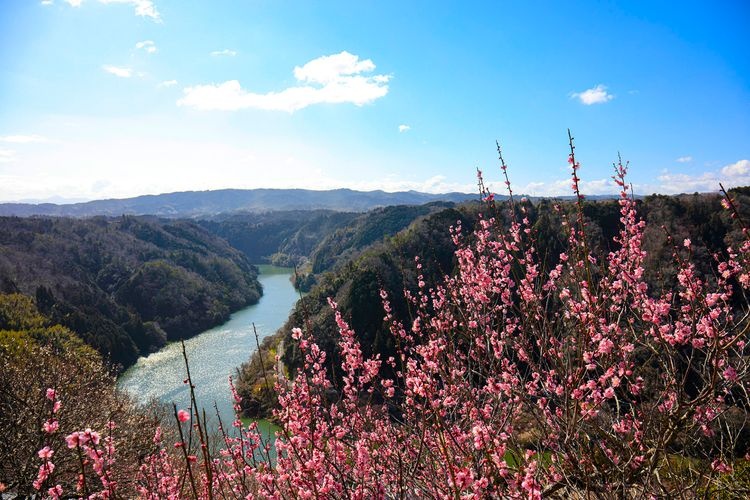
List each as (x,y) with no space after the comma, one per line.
(50,426)
(605,346)
(73,440)
(730,374)
(721,467)
(92,436)
(45,453)
(55,492)
(51,394)
(183,416)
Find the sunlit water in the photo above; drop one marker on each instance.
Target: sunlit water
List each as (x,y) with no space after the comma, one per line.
(214,354)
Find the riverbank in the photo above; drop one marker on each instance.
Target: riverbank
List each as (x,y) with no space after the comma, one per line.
(215,354)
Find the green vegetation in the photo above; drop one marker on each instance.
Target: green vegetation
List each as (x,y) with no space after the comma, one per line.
(125,285)
(36,354)
(282,238)
(354,262)
(315,241)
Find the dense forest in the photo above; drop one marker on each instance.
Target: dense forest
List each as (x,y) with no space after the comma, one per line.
(388,264)
(316,240)
(126,285)
(281,237)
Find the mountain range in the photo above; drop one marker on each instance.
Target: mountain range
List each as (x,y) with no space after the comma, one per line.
(208,203)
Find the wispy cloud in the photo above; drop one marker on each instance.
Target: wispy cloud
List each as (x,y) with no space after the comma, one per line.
(330,79)
(684,159)
(7,155)
(143,8)
(147,45)
(392,183)
(736,174)
(737,170)
(674,183)
(731,175)
(561,187)
(403,128)
(23,139)
(225,52)
(167,83)
(118,71)
(594,95)
(47,2)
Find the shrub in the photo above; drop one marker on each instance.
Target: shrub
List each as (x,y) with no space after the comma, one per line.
(512,380)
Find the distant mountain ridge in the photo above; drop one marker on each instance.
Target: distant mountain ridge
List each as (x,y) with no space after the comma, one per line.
(207,203)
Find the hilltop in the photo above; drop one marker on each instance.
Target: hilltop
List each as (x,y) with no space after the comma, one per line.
(208,203)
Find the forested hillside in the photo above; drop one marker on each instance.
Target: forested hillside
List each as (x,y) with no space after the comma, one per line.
(279,237)
(126,285)
(316,240)
(356,283)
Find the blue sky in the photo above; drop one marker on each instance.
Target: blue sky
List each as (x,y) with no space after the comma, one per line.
(116,98)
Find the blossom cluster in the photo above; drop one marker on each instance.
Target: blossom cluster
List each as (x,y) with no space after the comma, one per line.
(512,379)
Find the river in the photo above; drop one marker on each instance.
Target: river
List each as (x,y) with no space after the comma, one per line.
(214,354)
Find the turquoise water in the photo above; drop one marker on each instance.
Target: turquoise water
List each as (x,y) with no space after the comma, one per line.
(214,354)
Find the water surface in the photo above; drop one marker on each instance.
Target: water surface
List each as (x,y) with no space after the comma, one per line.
(214,354)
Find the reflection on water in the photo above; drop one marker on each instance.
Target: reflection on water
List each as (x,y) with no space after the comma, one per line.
(214,354)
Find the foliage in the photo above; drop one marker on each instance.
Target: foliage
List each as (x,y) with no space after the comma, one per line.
(521,374)
(125,285)
(36,354)
(279,237)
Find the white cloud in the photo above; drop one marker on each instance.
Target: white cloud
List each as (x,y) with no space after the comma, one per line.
(684,159)
(7,155)
(23,139)
(167,83)
(737,169)
(330,79)
(732,175)
(118,71)
(392,183)
(143,8)
(326,69)
(670,183)
(47,2)
(225,52)
(561,187)
(594,95)
(147,45)
(403,128)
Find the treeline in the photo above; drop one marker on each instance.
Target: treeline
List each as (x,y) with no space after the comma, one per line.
(315,241)
(388,264)
(282,238)
(126,285)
